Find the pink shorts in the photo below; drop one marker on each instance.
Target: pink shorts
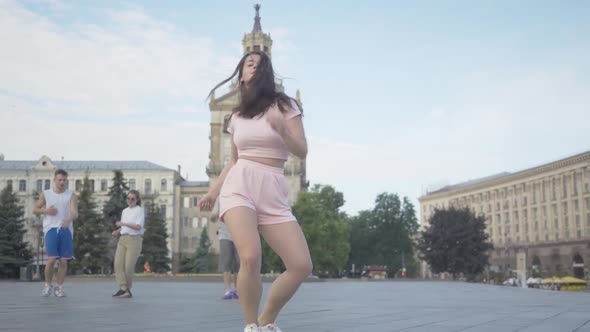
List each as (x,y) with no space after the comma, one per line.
(259,187)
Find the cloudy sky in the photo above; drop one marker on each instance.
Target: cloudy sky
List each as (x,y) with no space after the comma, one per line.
(398,96)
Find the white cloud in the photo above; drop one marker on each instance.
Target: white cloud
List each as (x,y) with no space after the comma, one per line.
(102,69)
(69,91)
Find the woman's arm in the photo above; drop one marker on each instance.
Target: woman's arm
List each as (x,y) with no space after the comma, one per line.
(294,137)
(208,201)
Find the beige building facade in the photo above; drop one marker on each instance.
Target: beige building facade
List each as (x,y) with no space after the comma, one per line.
(543,212)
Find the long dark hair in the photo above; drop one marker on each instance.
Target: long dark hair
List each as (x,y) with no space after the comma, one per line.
(137,197)
(261,92)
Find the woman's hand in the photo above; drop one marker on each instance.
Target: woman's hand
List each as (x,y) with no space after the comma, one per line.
(207,202)
(116,232)
(276,120)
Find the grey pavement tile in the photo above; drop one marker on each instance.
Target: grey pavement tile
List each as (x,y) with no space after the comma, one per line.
(319,306)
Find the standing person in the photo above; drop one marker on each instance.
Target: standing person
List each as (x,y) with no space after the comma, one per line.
(229,261)
(265,127)
(59,207)
(130,242)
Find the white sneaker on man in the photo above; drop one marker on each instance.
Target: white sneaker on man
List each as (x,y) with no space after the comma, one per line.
(46,291)
(251,328)
(269,328)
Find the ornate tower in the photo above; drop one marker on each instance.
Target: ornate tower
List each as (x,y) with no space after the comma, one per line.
(221,109)
(257,40)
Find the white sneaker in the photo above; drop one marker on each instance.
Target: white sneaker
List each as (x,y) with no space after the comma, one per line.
(59,291)
(46,291)
(269,328)
(251,328)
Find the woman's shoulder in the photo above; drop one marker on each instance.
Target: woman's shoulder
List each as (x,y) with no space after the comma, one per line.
(288,106)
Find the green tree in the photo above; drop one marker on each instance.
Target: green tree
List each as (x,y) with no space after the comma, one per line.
(113,208)
(455,242)
(202,255)
(155,250)
(384,235)
(188,264)
(326,228)
(361,237)
(14,252)
(117,199)
(91,235)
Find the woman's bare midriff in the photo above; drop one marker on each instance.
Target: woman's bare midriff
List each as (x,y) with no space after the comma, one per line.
(266,161)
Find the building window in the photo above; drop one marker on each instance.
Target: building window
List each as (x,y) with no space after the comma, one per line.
(195,201)
(104,185)
(256,47)
(203,222)
(564,207)
(553,189)
(39,186)
(78,185)
(579,234)
(164,185)
(577,220)
(543,191)
(132,184)
(576,184)
(564,183)
(148,186)
(91,185)
(163,211)
(22,185)
(576,205)
(186,202)
(195,222)
(185,221)
(47,184)
(266,49)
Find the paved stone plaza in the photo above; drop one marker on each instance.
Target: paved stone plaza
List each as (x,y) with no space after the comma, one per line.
(318,306)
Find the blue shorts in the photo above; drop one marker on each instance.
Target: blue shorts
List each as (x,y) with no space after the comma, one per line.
(59,243)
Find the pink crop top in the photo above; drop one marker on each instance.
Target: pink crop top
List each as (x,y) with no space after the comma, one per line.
(255,137)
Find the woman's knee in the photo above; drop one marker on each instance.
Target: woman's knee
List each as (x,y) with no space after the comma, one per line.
(250,261)
(302,267)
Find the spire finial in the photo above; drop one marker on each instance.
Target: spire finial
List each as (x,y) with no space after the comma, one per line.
(257,27)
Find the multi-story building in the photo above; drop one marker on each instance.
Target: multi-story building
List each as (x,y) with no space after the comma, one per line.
(543,212)
(176,197)
(29,178)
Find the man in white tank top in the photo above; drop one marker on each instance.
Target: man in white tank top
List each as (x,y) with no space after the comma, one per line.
(59,208)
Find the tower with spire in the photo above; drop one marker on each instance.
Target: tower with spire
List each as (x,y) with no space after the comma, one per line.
(221,108)
(257,40)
